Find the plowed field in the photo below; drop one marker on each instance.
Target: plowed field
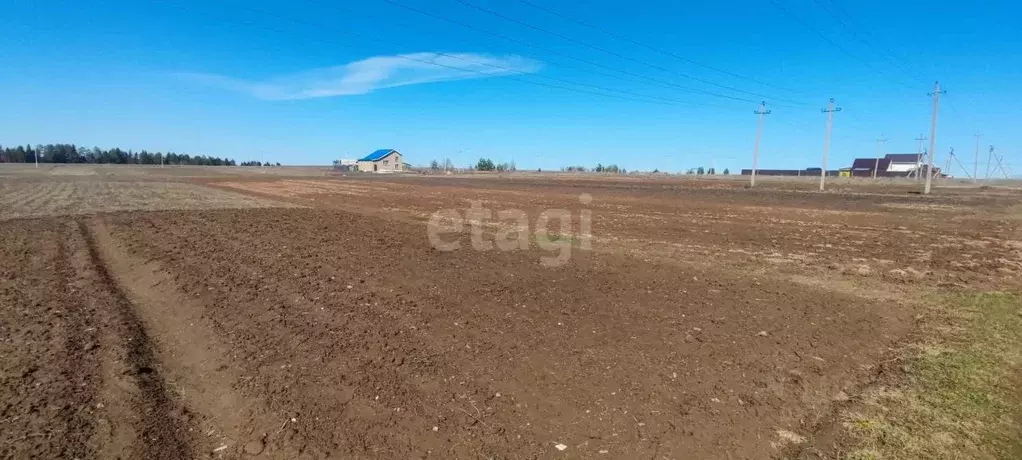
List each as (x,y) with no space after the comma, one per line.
(313,318)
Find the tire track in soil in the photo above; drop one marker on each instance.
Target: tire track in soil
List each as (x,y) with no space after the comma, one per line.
(192,357)
(159,426)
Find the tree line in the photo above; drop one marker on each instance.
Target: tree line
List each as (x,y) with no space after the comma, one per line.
(600,168)
(710,171)
(69,153)
(614,169)
(486,164)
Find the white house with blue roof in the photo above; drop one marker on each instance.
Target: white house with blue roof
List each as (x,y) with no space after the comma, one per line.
(383,160)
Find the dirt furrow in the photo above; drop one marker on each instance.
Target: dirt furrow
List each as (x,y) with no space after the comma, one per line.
(143,419)
(193,361)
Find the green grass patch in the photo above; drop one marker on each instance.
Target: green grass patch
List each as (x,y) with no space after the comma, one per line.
(553,238)
(960,397)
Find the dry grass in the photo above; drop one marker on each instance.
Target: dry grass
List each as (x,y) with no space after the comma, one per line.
(26,199)
(959,397)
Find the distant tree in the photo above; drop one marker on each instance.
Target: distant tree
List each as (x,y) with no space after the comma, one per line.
(434,165)
(700,171)
(726,171)
(711,171)
(485,164)
(71,154)
(599,168)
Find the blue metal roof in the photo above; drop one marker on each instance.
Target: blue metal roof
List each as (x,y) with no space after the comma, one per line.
(378,155)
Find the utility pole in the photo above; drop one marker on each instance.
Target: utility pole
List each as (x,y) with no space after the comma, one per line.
(759,134)
(947,168)
(989,155)
(919,150)
(880,140)
(933,134)
(1000,164)
(826,143)
(975,164)
(952,156)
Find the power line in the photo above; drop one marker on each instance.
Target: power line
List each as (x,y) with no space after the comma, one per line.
(827,39)
(612,53)
(657,81)
(562,80)
(886,56)
(650,47)
(673,102)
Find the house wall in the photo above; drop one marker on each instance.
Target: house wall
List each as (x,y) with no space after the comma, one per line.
(790,172)
(390,163)
(902,167)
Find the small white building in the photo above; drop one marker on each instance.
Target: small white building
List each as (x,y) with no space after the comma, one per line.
(346,165)
(383,160)
(904,162)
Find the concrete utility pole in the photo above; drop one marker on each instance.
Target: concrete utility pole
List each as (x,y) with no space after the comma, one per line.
(826,143)
(950,156)
(880,140)
(759,134)
(1000,164)
(975,164)
(933,134)
(919,150)
(989,155)
(954,157)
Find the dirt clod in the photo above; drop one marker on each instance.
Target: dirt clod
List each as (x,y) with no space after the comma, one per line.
(254,447)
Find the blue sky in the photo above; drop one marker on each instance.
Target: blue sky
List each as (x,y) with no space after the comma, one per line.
(305,82)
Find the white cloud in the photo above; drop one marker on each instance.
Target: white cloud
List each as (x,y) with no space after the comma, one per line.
(368,75)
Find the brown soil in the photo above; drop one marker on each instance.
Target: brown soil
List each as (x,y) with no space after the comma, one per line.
(707,322)
(64,196)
